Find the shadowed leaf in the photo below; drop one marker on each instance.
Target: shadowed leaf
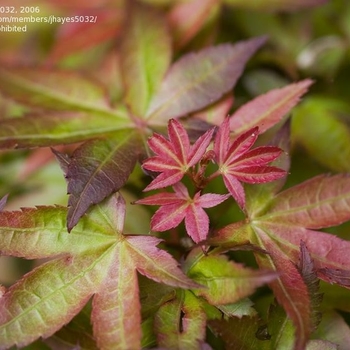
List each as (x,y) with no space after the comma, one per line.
(97,169)
(239,333)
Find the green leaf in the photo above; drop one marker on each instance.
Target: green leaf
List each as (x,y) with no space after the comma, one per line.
(243,307)
(98,168)
(54,89)
(281,329)
(227,282)
(50,296)
(145,56)
(55,128)
(180,323)
(102,262)
(318,119)
(199,79)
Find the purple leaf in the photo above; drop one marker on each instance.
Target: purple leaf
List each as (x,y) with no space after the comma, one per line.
(97,169)
(199,79)
(3,201)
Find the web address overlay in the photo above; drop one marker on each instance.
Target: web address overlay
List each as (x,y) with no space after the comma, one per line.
(15,23)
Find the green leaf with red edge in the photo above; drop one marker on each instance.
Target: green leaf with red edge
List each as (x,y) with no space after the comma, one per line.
(145,56)
(54,89)
(199,79)
(281,224)
(98,168)
(275,5)
(268,109)
(86,263)
(188,18)
(322,201)
(289,289)
(56,128)
(181,323)
(226,281)
(100,25)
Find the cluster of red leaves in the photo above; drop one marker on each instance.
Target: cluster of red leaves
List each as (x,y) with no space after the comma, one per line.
(176,157)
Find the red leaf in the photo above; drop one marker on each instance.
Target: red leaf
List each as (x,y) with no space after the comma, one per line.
(174,156)
(178,206)
(236,163)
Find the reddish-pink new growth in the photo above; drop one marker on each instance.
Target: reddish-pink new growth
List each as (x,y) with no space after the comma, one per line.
(178,205)
(174,156)
(237,162)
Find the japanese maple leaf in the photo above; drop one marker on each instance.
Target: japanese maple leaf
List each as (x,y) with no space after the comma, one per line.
(285,224)
(238,162)
(179,205)
(175,156)
(96,260)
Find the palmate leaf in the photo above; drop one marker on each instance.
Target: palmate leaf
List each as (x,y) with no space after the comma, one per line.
(95,259)
(145,56)
(286,220)
(199,79)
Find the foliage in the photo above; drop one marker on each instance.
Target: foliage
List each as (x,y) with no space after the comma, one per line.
(191,102)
